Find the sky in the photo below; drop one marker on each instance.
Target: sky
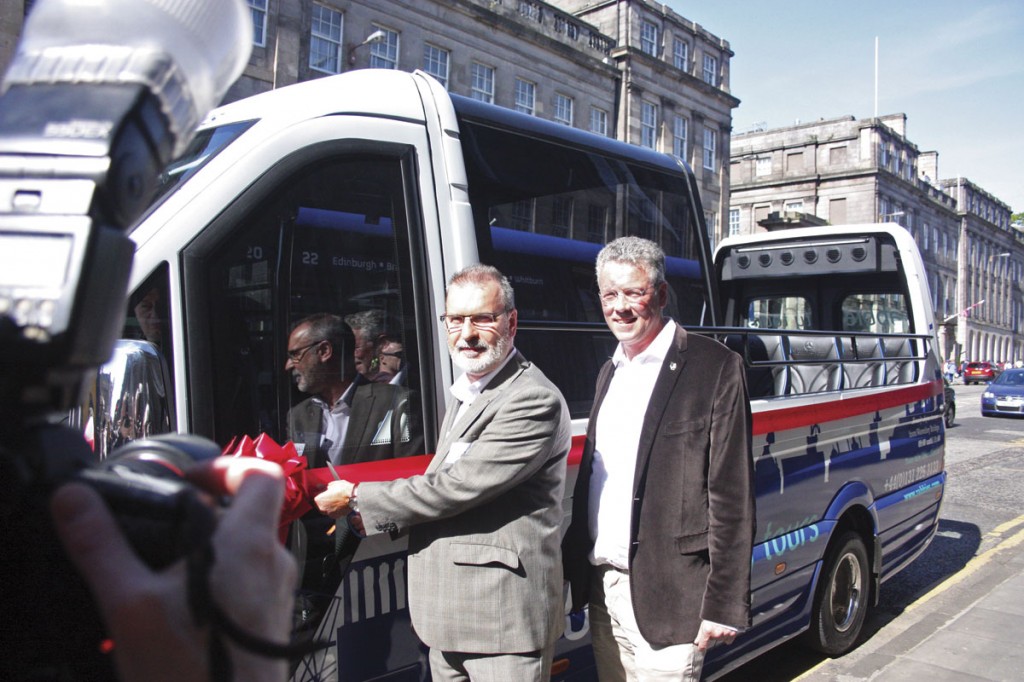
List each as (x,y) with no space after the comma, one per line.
(955,68)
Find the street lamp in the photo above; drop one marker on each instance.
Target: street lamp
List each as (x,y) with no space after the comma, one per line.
(374,37)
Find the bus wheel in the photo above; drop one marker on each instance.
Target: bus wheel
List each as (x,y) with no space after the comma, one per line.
(842,598)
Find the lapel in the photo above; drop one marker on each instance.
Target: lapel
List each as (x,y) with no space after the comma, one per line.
(668,378)
(451,431)
(310,431)
(604,380)
(359,419)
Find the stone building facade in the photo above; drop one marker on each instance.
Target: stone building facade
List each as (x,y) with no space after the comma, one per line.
(630,69)
(846,170)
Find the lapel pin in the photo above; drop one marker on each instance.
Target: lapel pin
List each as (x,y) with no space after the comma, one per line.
(672,366)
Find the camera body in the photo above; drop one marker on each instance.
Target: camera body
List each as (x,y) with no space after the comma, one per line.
(86,126)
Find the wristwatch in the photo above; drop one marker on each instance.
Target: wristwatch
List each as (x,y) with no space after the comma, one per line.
(353,502)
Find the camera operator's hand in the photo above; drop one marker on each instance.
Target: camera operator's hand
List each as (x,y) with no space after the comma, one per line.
(253,579)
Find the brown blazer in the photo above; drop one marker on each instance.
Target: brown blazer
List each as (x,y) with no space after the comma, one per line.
(685,564)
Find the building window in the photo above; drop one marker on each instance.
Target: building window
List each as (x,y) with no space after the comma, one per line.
(384,53)
(763,166)
(795,162)
(679,137)
(710,70)
(325,40)
(482,82)
(681,54)
(761,214)
(837,156)
(795,206)
(258,8)
(649,38)
(648,125)
(837,211)
(710,140)
(526,96)
(435,62)
(563,109)
(599,121)
(597,223)
(522,215)
(561,216)
(709,222)
(734,222)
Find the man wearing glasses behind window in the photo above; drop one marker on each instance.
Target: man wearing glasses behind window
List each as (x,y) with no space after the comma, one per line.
(345,419)
(485,579)
(663,510)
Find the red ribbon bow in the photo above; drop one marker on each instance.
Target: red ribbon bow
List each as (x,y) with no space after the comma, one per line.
(296,501)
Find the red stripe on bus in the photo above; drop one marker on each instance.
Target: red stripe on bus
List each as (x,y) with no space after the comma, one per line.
(834,410)
(764,422)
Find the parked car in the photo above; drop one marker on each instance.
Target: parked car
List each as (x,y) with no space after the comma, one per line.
(976,372)
(1005,395)
(949,410)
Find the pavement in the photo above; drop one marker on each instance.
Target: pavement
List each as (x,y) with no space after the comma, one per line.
(969,627)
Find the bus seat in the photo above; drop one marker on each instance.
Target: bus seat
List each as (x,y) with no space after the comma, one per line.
(824,374)
(862,362)
(900,365)
(763,380)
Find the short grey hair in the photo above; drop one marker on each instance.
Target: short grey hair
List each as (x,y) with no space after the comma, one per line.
(370,324)
(636,251)
(483,274)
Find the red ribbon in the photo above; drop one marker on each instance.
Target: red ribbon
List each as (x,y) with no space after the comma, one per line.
(296,499)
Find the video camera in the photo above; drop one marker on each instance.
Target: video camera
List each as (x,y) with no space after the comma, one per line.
(99,98)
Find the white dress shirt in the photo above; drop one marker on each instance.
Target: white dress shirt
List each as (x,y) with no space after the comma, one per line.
(466,391)
(335,420)
(617,438)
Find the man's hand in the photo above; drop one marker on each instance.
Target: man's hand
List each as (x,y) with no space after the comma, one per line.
(253,578)
(711,634)
(335,500)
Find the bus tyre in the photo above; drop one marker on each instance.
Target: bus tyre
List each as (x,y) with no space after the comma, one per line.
(842,598)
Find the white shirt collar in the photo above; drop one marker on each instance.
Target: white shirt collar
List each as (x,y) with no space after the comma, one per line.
(655,352)
(466,391)
(344,400)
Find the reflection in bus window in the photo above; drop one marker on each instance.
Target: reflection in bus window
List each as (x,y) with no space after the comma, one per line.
(779,312)
(876,313)
(331,240)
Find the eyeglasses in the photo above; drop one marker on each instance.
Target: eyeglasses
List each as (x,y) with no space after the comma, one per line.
(455,322)
(396,354)
(611,296)
(296,354)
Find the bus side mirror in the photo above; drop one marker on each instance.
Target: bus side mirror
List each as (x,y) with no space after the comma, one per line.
(128,398)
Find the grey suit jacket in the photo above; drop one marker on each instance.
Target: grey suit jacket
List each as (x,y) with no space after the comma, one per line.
(484,521)
(692,527)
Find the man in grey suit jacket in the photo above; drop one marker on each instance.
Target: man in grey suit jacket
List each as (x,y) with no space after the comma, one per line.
(663,509)
(485,576)
(346,418)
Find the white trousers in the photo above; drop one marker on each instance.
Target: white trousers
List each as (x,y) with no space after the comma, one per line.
(621,652)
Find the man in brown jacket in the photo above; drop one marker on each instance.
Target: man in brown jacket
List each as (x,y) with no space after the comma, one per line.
(663,510)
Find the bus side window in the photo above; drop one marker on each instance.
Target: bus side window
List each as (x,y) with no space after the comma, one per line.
(147,317)
(134,395)
(330,240)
